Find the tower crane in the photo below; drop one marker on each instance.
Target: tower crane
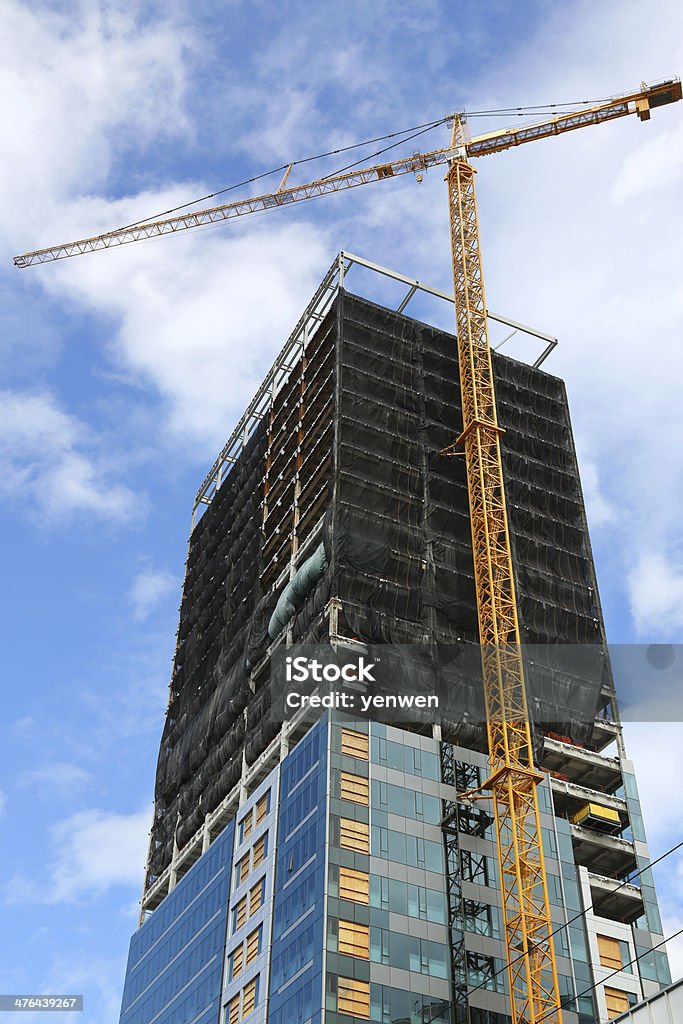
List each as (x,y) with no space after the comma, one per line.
(513,779)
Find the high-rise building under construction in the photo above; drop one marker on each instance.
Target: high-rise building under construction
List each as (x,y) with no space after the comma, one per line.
(320,865)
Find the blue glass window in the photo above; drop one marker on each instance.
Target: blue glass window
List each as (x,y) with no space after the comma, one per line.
(175,964)
(405,898)
(406,849)
(295,988)
(405,758)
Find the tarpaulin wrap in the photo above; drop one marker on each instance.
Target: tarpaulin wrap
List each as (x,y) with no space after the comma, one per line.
(297,591)
(258,639)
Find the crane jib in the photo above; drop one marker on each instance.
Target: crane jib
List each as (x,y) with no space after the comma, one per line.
(640,103)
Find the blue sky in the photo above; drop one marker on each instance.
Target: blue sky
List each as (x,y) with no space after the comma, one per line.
(123,373)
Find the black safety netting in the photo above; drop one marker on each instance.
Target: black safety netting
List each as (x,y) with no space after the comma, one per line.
(204,728)
(219,713)
(399,407)
(354,440)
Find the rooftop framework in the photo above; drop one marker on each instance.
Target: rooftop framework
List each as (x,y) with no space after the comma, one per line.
(334,280)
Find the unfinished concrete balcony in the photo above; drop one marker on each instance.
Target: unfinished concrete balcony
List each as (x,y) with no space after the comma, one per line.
(583,767)
(615,900)
(603,854)
(569,798)
(605,733)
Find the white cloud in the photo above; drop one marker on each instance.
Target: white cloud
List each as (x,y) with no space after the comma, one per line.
(563,255)
(93,851)
(50,463)
(661,801)
(126,702)
(148,589)
(674,950)
(599,510)
(82,971)
(57,778)
(651,167)
(201,317)
(67,82)
(289,114)
(130,912)
(23,727)
(658,778)
(84,91)
(656,594)
(195,319)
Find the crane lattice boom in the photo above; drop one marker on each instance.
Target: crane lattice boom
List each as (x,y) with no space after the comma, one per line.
(493,142)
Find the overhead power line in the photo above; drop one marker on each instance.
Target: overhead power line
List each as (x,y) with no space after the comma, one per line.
(592,988)
(582,913)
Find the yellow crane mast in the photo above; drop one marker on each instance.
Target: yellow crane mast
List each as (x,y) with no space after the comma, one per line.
(532,970)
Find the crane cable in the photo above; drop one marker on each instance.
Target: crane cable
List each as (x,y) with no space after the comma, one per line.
(295,163)
(420,129)
(582,913)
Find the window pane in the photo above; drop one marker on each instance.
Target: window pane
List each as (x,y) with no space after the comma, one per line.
(396,802)
(256,896)
(234,1010)
(354,835)
(242,870)
(249,996)
(609,952)
(254,944)
(617,1001)
(260,848)
(240,913)
(437,959)
(398,896)
(413,901)
(436,906)
(236,962)
(262,807)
